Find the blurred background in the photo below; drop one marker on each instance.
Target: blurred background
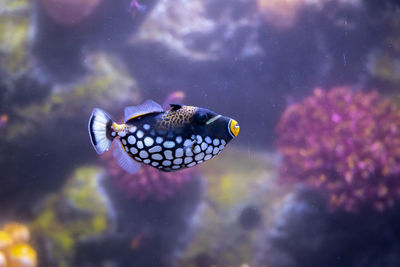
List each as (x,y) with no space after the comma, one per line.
(313,179)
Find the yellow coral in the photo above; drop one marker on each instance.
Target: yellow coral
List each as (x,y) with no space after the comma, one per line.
(18,232)
(22,255)
(5,240)
(14,31)
(14,249)
(81,192)
(3,260)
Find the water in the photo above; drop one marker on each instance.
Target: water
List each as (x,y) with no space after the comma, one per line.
(311,179)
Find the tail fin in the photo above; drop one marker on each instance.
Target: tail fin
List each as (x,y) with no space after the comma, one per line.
(100,130)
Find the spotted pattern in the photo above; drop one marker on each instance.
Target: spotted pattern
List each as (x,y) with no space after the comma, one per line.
(176,118)
(167,151)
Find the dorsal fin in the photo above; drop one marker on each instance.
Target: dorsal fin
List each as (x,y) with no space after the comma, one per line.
(175,106)
(149,106)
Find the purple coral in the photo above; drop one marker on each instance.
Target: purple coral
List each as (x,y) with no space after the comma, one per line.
(148,182)
(345,143)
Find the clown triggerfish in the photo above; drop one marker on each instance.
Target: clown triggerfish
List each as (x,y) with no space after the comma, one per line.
(178,138)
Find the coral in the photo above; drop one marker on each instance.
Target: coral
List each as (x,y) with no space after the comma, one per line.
(187,29)
(284,13)
(40,115)
(385,66)
(306,234)
(148,182)
(240,195)
(79,211)
(344,143)
(14,248)
(145,233)
(280,13)
(15,26)
(69,12)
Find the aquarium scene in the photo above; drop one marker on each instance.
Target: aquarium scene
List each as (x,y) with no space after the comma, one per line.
(199,133)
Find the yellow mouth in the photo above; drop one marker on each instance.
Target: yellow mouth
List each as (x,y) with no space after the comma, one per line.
(234,128)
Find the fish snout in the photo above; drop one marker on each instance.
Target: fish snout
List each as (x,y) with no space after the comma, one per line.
(233,127)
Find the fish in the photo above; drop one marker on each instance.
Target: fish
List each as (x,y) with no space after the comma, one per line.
(169,140)
(135,8)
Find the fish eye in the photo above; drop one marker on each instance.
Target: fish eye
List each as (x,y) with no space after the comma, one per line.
(201,117)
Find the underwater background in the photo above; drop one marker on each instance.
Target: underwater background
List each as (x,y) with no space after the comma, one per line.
(313,178)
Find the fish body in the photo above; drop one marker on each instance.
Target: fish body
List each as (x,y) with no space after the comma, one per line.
(171,140)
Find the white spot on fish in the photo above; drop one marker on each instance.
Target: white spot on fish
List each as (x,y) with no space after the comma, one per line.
(124,142)
(216,142)
(178,161)
(131,139)
(223,142)
(126,149)
(159,140)
(209,149)
(188,152)
(169,144)
(166,163)
(191,164)
(157,156)
(140,144)
(207,157)
(147,161)
(197,149)
(113,133)
(122,134)
(139,134)
(208,140)
(221,147)
(199,156)
(188,159)
(155,149)
(154,163)
(134,150)
(148,141)
(199,139)
(188,143)
(178,139)
(175,167)
(138,159)
(215,151)
(168,154)
(179,153)
(204,146)
(143,154)
(132,129)
(146,127)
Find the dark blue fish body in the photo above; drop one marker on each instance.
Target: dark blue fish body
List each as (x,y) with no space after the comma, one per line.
(181,137)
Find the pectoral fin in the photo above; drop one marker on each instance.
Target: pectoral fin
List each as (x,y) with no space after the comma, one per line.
(124,160)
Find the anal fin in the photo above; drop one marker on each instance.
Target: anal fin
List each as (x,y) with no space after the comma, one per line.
(124,160)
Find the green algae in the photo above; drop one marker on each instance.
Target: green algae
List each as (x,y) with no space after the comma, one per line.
(89,215)
(235,180)
(15,26)
(107,84)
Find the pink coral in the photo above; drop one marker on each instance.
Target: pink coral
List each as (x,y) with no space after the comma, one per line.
(148,183)
(346,144)
(69,12)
